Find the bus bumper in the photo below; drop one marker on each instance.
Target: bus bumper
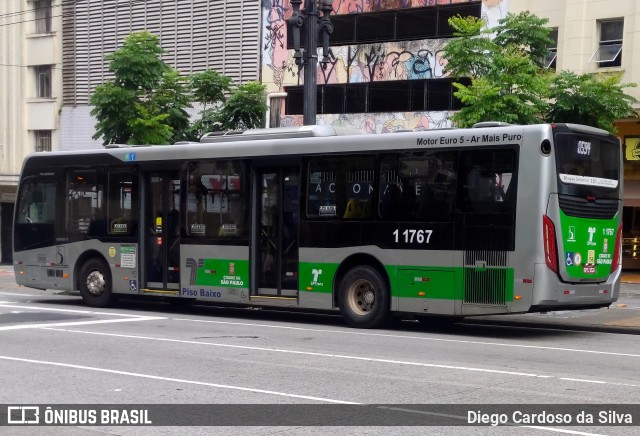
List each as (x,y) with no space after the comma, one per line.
(550,293)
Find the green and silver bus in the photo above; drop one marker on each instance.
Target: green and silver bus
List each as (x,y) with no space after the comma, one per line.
(494,219)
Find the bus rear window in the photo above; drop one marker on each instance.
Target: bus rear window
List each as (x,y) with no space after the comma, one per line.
(587,163)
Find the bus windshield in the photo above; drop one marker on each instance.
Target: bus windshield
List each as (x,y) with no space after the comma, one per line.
(587,165)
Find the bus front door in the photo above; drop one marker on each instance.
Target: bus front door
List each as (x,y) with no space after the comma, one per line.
(278,208)
(162,230)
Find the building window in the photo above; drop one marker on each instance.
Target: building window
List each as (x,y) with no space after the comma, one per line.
(549,61)
(43,140)
(43,16)
(43,81)
(400,25)
(379,96)
(609,52)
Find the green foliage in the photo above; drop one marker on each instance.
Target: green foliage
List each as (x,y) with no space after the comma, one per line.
(149,129)
(172,98)
(594,100)
(147,101)
(508,82)
(137,64)
(210,87)
(146,94)
(245,108)
(466,54)
(208,122)
(526,33)
(113,109)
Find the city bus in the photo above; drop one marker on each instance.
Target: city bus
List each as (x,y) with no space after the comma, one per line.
(494,219)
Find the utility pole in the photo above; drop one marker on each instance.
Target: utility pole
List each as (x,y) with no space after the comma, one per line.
(307,57)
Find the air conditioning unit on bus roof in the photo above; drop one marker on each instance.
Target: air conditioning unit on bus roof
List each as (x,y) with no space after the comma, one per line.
(490,124)
(280,133)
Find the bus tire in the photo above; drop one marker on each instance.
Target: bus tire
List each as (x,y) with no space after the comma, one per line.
(364,298)
(95,283)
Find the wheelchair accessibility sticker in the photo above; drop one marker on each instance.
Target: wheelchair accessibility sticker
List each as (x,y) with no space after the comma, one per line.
(573,259)
(133,285)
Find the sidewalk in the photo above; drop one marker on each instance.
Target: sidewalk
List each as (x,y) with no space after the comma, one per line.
(631,277)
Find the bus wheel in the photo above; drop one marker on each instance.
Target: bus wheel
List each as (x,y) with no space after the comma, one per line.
(364,298)
(95,283)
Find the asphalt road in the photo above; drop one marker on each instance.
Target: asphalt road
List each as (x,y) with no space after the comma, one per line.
(54,350)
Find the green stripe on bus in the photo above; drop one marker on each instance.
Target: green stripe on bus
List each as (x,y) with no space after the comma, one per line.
(316,276)
(444,283)
(231,273)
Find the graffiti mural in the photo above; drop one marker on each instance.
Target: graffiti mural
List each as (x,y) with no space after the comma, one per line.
(380,122)
(407,60)
(403,60)
(355,6)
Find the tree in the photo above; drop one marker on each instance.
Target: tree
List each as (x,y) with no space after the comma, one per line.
(210,89)
(146,101)
(245,108)
(594,100)
(509,83)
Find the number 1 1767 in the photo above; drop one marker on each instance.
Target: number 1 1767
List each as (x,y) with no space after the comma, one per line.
(411,236)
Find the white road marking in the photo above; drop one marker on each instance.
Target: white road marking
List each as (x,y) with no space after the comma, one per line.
(77,323)
(347,332)
(466,419)
(341,356)
(561,430)
(87,312)
(20,295)
(582,380)
(422,338)
(177,380)
(242,388)
(127,317)
(305,353)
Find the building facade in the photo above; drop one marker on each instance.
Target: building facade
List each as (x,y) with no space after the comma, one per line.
(30,94)
(385,71)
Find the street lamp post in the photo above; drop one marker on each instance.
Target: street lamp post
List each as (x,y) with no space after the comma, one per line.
(307,57)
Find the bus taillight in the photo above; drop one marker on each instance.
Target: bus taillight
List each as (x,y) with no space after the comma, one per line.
(549,239)
(616,251)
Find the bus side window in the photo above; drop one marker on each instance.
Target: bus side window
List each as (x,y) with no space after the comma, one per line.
(321,188)
(355,187)
(488,181)
(418,186)
(390,201)
(122,212)
(85,196)
(216,199)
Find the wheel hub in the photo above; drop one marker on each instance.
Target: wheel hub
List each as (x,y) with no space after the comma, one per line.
(95,283)
(362,297)
(369,298)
